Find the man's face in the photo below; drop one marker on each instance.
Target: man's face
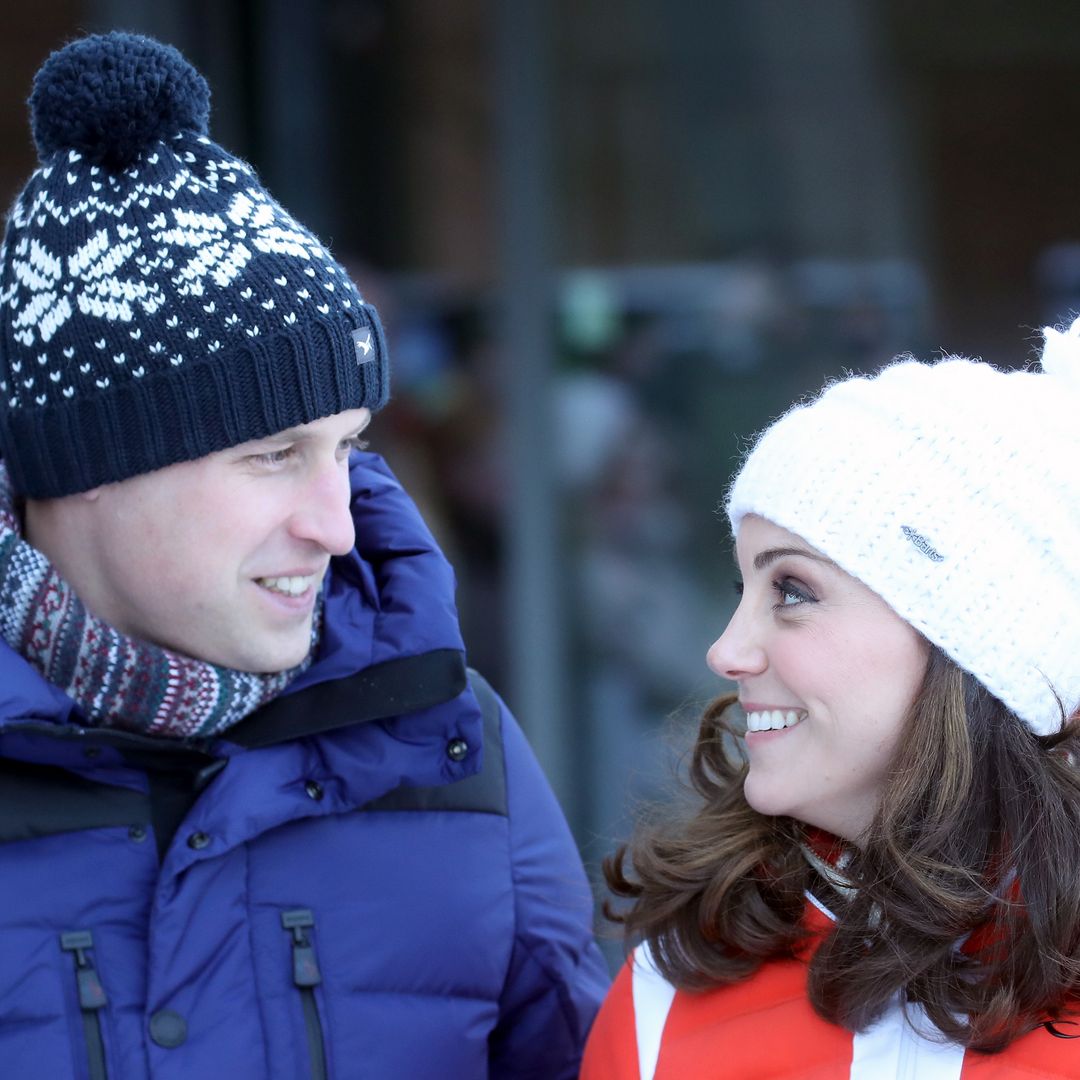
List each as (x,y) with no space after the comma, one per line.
(221,558)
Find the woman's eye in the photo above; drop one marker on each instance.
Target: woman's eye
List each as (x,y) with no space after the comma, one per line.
(791,594)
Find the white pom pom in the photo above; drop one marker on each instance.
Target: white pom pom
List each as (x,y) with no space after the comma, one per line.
(1061,353)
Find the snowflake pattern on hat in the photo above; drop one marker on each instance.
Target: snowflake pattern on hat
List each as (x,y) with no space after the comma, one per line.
(135,265)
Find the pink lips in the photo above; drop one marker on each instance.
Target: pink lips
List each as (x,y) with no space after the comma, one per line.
(758,736)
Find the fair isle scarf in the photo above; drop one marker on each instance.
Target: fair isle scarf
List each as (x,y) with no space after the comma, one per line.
(117,681)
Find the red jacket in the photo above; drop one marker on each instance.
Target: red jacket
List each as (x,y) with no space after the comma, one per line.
(765,1029)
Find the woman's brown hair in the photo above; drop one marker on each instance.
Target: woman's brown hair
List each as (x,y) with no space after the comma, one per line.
(976,844)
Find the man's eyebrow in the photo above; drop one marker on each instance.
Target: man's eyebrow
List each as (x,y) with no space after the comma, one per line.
(285,435)
(770,555)
(295,434)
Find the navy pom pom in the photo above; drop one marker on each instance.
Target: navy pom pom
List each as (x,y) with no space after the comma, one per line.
(112,96)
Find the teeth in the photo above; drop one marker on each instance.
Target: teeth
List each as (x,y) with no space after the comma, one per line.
(772,720)
(290,586)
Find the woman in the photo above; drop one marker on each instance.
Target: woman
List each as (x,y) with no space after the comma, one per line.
(885,881)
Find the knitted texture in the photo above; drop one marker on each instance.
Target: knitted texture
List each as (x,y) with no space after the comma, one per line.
(953,491)
(116,680)
(156,304)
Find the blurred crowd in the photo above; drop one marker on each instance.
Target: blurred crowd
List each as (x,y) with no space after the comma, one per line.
(661,375)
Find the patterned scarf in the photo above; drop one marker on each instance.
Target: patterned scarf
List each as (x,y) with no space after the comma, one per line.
(118,681)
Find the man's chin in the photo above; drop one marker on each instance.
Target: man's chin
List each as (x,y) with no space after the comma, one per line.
(274,659)
(277,665)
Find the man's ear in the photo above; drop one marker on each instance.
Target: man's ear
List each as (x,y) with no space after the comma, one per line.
(41,516)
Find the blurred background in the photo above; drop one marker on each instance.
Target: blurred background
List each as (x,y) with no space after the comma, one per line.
(610,240)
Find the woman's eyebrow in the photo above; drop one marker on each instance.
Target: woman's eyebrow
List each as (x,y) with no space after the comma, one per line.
(770,555)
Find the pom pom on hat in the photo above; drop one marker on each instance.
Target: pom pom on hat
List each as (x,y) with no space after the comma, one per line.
(111,96)
(1061,353)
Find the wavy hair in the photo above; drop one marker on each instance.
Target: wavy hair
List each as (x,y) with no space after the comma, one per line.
(976,844)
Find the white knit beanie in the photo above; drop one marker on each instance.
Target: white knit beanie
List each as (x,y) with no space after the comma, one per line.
(952,490)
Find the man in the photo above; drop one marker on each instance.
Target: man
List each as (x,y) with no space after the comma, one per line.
(255,819)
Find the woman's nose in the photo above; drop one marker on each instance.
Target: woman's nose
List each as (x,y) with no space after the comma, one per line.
(737,652)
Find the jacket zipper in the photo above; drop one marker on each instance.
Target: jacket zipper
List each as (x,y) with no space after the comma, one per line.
(92,998)
(306,976)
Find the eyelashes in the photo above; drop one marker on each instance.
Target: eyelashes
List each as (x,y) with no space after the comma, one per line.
(274,457)
(792,593)
(789,592)
(285,454)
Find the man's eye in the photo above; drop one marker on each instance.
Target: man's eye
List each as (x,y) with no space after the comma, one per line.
(274,457)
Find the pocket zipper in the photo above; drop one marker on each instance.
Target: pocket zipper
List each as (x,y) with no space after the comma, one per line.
(92,998)
(306,976)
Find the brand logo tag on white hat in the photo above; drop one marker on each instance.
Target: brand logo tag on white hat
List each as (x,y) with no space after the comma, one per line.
(922,544)
(364,347)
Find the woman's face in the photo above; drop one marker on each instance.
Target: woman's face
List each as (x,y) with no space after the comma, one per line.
(827,673)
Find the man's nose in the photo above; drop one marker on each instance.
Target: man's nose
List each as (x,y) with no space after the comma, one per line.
(323,515)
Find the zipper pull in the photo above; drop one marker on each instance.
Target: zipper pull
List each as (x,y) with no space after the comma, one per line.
(91,993)
(305,965)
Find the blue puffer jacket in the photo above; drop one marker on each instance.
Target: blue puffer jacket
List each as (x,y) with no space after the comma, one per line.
(370,878)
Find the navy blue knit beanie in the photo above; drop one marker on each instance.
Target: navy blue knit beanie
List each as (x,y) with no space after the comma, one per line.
(156,304)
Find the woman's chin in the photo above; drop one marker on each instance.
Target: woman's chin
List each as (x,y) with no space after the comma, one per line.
(763,796)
